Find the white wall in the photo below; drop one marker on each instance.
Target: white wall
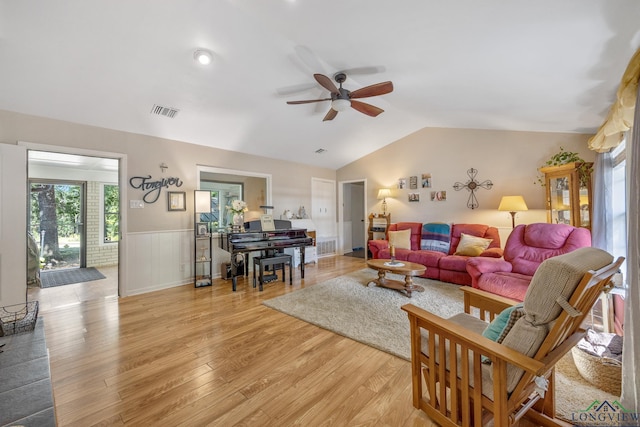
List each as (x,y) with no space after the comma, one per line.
(13,225)
(153,235)
(509,159)
(153,229)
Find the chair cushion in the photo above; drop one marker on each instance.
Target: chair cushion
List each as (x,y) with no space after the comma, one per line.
(400,239)
(472,245)
(556,278)
(436,236)
(559,278)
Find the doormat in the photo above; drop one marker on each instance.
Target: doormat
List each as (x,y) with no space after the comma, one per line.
(51,278)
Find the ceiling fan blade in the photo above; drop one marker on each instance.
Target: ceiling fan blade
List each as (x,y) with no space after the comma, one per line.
(330,115)
(373,90)
(368,109)
(363,70)
(326,83)
(308,101)
(295,89)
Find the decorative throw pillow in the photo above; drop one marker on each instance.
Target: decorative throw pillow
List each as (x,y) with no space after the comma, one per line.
(499,323)
(472,245)
(502,324)
(436,236)
(400,239)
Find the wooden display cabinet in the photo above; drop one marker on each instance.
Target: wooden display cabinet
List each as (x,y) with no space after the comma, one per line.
(568,194)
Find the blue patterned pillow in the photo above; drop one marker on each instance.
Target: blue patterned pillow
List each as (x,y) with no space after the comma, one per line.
(436,236)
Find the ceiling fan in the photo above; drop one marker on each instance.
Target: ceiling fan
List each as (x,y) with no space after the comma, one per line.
(341,98)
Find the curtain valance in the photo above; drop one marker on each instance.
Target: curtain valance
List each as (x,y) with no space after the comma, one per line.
(620,117)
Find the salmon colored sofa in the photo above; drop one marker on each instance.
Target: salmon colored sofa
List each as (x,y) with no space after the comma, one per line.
(527,246)
(446,267)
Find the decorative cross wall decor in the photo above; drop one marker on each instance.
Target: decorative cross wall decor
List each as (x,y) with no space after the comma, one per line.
(472,185)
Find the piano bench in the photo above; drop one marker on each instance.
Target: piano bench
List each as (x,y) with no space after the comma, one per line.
(276,261)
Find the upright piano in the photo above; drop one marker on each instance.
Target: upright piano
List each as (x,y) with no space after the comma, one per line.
(254,239)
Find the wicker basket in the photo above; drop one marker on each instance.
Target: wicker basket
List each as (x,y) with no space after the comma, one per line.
(15,319)
(599,371)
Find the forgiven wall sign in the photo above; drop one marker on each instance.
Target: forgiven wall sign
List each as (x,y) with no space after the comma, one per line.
(151,188)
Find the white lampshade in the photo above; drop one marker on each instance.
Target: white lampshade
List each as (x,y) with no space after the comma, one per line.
(340,104)
(512,204)
(203,201)
(383,193)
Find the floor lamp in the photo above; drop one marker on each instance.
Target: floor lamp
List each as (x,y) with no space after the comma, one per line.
(512,204)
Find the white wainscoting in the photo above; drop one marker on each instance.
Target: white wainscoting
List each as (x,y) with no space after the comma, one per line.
(158,260)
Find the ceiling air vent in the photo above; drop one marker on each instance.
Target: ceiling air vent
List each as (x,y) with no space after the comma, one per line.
(320,150)
(159,110)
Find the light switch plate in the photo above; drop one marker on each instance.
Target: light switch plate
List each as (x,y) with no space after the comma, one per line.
(136,204)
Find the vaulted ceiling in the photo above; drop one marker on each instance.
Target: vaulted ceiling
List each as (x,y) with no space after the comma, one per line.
(544,65)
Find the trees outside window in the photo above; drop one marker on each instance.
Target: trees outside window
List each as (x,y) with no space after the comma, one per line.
(55,217)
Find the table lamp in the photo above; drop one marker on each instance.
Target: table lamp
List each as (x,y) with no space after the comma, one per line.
(512,204)
(383,193)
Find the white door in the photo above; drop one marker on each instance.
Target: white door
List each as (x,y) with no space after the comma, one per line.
(13,224)
(323,214)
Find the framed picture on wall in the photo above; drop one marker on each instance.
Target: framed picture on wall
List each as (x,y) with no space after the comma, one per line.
(413,182)
(438,196)
(414,197)
(426,180)
(177,200)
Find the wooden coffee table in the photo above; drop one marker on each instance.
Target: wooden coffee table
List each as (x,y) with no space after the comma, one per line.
(408,269)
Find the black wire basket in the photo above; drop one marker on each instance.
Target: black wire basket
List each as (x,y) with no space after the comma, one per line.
(18,318)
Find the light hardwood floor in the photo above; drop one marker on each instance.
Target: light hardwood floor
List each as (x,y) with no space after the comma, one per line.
(210,356)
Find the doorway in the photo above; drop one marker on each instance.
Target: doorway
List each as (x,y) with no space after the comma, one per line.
(352,218)
(56,222)
(74,213)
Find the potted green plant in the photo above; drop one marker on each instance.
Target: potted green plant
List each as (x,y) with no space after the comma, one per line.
(563,157)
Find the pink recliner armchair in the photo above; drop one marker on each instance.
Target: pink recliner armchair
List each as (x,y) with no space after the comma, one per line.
(526,248)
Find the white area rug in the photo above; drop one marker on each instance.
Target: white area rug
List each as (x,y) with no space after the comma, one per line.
(368,314)
(372,315)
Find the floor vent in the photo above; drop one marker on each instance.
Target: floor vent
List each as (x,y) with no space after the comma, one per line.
(326,247)
(159,110)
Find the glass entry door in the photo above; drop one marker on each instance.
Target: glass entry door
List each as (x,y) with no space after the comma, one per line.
(56,222)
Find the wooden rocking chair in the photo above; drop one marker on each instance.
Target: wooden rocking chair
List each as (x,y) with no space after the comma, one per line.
(484,379)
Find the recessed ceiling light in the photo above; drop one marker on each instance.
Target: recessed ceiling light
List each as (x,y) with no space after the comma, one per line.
(203,56)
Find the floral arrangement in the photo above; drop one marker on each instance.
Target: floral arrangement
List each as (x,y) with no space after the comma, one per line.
(238,206)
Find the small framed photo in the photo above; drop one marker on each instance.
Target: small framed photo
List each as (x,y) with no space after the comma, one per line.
(414,197)
(202,229)
(402,183)
(438,196)
(426,180)
(267,223)
(177,200)
(413,182)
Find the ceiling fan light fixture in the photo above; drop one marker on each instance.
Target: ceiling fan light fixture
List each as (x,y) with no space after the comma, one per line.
(203,56)
(340,104)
